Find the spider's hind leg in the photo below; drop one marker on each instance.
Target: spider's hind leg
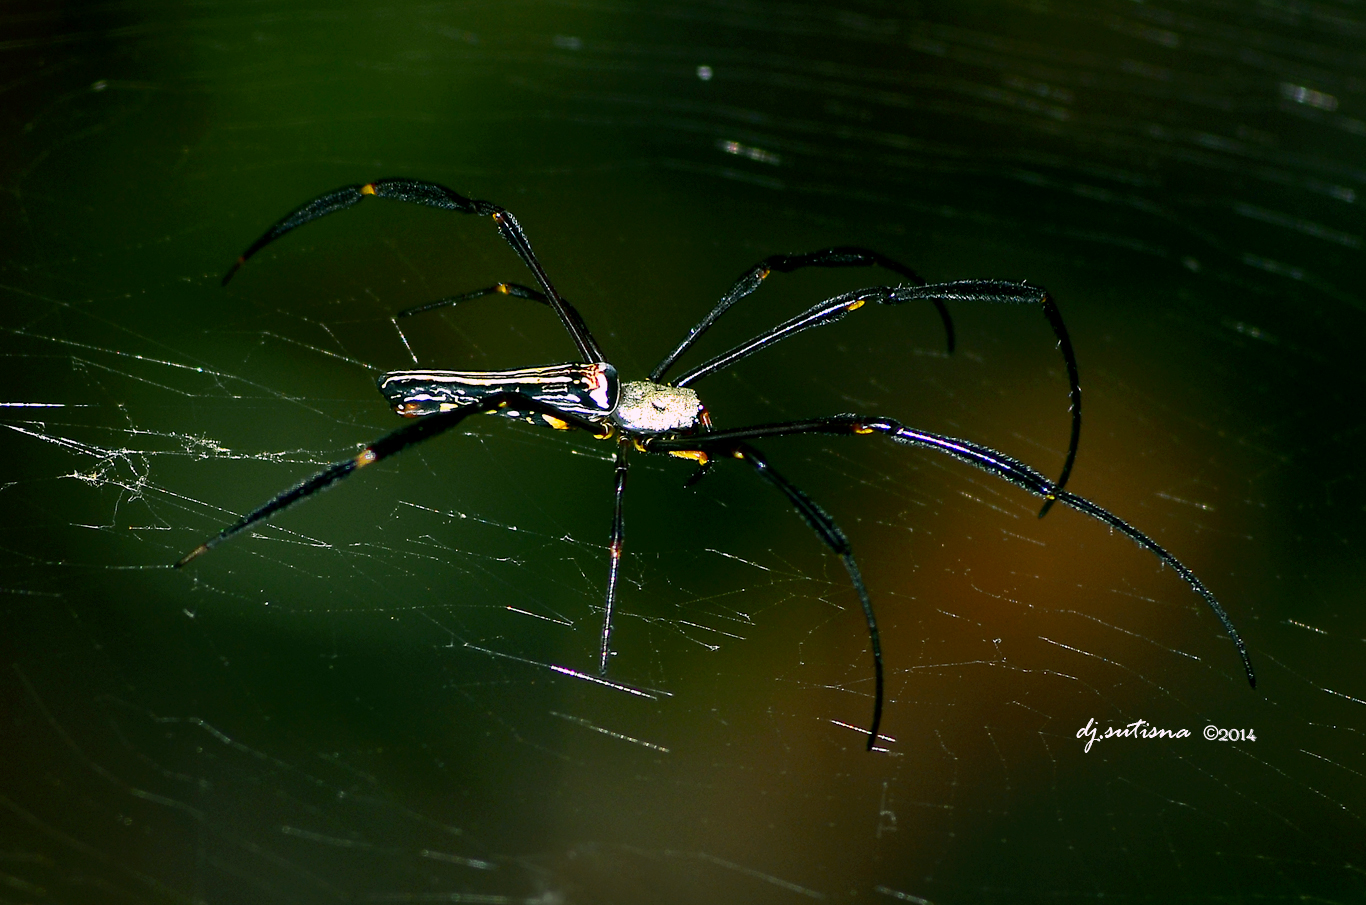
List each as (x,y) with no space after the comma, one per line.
(516,290)
(394,442)
(430,194)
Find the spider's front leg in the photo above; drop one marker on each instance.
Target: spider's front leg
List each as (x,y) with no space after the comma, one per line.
(992,291)
(1005,292)
(750,280)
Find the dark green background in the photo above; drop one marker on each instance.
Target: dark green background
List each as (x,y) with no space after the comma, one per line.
(357,704)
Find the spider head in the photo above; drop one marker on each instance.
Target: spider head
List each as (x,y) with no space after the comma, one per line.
(655,408)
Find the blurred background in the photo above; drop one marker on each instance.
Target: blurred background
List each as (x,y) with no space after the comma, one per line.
(390,693)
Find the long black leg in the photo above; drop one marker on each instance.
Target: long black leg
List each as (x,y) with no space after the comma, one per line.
(843,256)
(831,535)
(1019,293)
(424,428)
(516,290)
(831,310)
(614,550)
(985,458)
(818,315)
(414,191)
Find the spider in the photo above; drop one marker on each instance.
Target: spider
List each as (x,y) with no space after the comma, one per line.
(667,417)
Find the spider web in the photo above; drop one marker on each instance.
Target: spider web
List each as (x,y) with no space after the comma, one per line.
(390,693)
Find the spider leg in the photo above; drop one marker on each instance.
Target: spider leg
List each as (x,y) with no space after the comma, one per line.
(842,256)
(414,191)
(818,315)
(728,444)
(983,457)
(832,309)
(614,548)
(516,290)
(424,428)
(830,535)
(1001,291)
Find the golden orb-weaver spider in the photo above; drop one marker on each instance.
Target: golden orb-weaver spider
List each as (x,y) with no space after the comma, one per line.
(667,417)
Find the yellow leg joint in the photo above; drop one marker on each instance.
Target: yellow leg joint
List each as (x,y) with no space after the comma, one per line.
(368,189)
(696,455)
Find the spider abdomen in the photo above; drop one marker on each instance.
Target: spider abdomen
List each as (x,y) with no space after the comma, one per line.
(590,390)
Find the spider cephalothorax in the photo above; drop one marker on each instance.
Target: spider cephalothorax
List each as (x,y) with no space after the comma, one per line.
(655,408)
(667,417)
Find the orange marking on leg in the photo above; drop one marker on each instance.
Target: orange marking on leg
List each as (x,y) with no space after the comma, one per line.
(556,423)
(696,455)
(366,457)
(854,306)
(368,189)
(860,429)
(202,548)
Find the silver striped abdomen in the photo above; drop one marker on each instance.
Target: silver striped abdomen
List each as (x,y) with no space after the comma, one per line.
(590,390)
